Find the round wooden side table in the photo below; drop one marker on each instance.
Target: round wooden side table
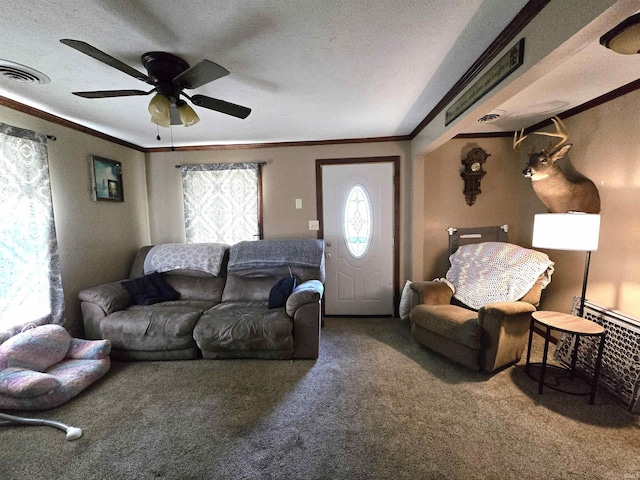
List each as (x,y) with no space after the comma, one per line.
(572,325)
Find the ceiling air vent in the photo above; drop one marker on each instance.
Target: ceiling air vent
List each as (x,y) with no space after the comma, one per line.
(491,116)
(21,73)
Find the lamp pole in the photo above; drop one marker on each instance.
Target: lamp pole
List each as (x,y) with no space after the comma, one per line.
(584,284)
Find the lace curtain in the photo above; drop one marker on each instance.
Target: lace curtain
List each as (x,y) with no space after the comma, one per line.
(221,202)
(30,281)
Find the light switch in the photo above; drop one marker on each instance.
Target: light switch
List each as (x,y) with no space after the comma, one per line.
(314,225)
(298,203)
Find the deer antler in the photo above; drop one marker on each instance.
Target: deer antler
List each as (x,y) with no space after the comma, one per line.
(561,132)
(518,138)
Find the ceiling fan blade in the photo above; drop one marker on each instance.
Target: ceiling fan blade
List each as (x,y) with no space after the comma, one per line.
(112,93)
(221,106)
(105,58)
(203,72)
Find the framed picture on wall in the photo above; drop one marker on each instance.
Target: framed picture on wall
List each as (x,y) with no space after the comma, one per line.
(106,176)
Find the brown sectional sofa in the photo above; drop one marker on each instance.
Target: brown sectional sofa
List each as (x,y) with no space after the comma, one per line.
(225,315)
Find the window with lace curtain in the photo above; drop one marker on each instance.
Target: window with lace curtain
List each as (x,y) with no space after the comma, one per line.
(222,202)
(30,281)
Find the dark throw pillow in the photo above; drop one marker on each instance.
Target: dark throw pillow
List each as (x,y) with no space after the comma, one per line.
(281,291)
(166,290)
(150,289)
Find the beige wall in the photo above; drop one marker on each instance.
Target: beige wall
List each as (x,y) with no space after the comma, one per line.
(96,240)
(605,149)
(445,205)
(289,174)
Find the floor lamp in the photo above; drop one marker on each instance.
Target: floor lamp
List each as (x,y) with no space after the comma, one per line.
(575,231)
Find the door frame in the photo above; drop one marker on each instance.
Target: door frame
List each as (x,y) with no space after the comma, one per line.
(395,160)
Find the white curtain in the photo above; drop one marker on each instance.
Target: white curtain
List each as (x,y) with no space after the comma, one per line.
(221,202)
(30,281)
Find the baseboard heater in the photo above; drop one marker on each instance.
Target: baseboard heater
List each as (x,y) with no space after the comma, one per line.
(620,370)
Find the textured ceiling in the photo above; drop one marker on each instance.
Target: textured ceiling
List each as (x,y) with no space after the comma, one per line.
(310,70)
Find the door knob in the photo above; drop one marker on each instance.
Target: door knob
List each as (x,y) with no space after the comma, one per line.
(328,255)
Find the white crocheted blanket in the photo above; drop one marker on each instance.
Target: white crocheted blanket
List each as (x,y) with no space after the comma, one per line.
(203,257)
(491,272)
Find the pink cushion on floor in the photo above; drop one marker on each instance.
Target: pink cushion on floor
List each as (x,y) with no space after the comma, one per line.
(20,382)
(35,349)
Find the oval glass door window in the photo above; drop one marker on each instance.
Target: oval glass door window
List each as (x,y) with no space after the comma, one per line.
(358,221)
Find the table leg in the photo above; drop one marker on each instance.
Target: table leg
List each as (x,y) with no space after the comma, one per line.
(574,355)
(596,372)
(543,368)
(526,365)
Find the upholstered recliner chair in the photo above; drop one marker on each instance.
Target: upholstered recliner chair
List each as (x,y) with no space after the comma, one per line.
(479,315)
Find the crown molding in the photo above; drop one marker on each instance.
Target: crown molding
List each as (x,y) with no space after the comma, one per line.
(21,107)
(524,17)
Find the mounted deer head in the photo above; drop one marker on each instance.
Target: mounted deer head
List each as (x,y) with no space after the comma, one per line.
(542,163)
(558,193)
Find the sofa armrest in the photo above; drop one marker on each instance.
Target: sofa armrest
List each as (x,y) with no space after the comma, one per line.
(505,327)
(506,309)
(307,292)
(433,293)
(306,331)
(303,306)
(111,297)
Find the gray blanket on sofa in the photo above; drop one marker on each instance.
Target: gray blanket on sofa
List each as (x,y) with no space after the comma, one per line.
(275,253)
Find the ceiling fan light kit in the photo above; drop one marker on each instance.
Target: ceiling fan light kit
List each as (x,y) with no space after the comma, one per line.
(188,116)
(161,122)
(624,38)
(169,75)
(159,107)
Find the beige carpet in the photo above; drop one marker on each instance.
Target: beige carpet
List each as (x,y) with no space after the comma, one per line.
(376,405)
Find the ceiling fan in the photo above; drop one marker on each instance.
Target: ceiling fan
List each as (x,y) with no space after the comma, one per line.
(169,75)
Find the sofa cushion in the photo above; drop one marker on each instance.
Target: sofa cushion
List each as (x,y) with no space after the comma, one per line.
(197,288)
(450,321)
(150,289)
(150,329)
(179,305)
(248,289)
(244,326)
(407,301)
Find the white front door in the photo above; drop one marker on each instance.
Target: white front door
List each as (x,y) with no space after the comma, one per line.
(358,224)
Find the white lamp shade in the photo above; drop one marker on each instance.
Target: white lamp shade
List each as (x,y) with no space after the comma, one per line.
(566,231)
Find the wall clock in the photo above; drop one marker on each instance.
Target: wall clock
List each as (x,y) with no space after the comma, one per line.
(473,173)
